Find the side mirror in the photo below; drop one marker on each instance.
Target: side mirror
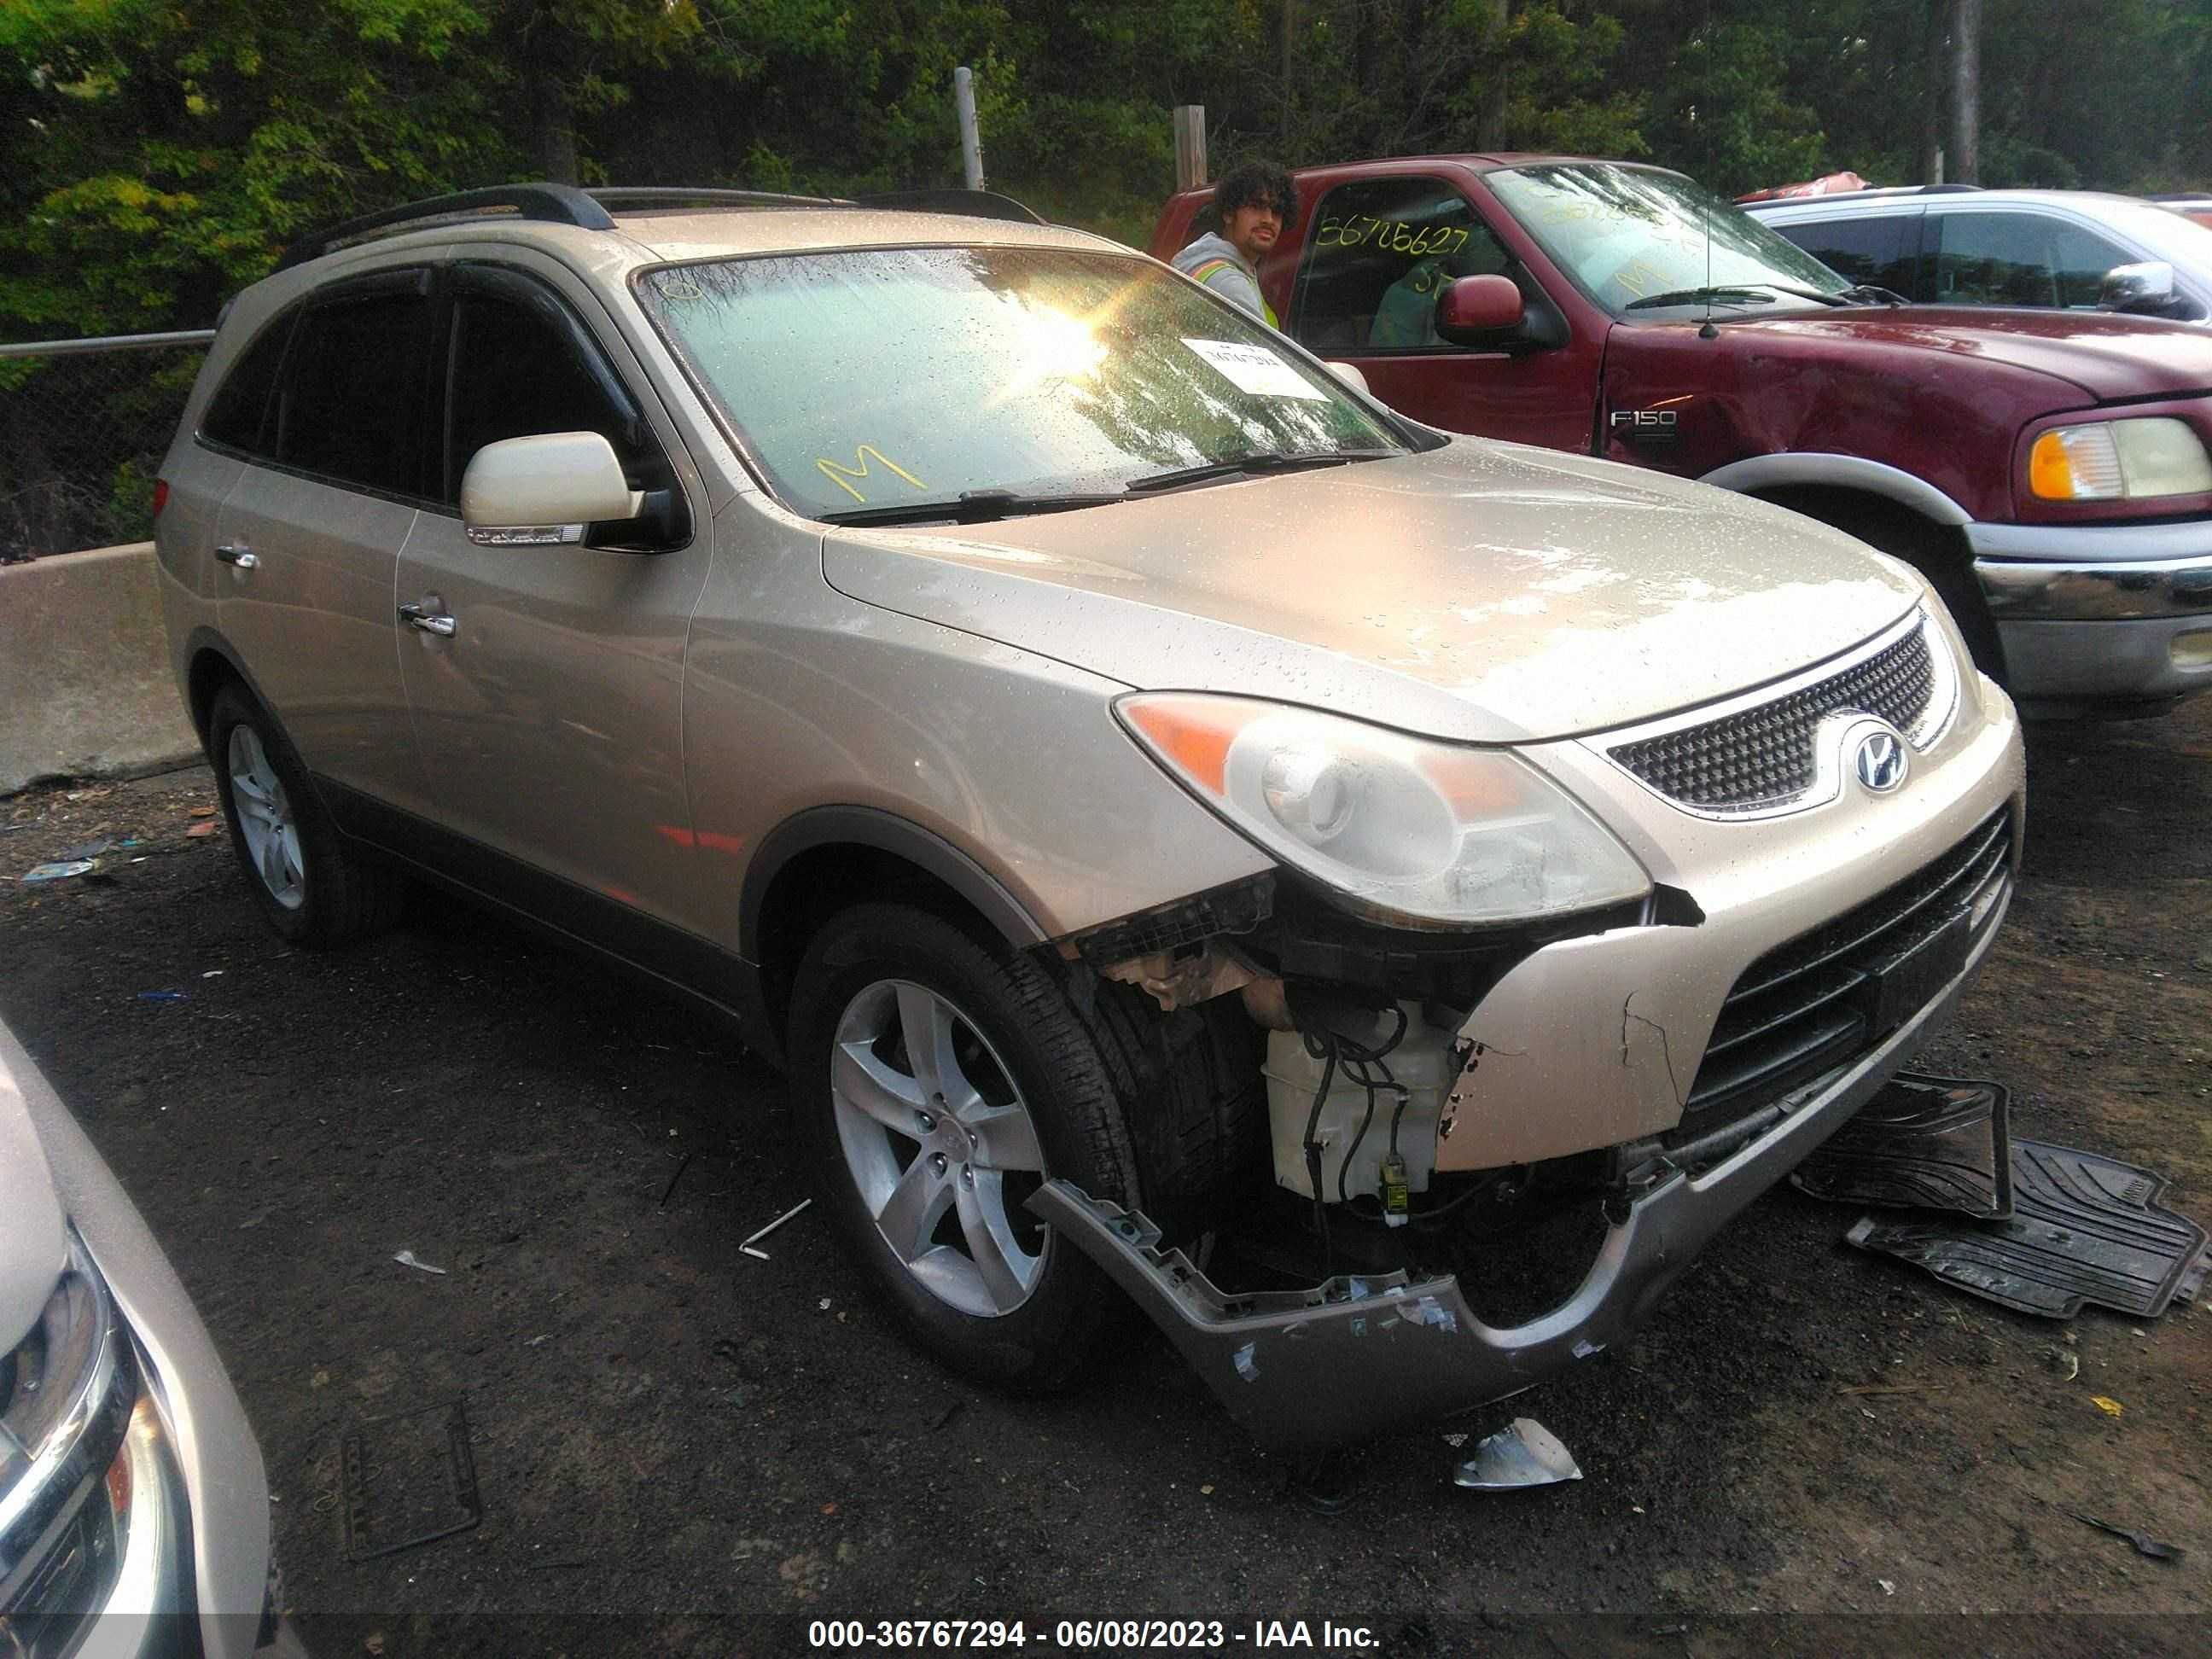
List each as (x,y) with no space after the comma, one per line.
(1349,374)
(1488,313)
(2145,289)
(535,491)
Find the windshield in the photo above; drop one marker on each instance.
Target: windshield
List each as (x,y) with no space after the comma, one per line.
(1623,235)
(868,379)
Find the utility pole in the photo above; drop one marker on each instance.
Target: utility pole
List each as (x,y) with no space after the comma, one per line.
(1935,73)
(1490,120)
(1190,146)
(1966,91)
(971,142)
(1289,28)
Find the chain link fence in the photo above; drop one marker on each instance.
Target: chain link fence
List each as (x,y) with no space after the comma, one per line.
(83,426)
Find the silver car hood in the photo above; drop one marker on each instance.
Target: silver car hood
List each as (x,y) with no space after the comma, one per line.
(33,1247)
(1483,592)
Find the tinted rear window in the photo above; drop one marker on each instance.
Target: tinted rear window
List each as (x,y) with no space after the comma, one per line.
(237,414)
(353,408)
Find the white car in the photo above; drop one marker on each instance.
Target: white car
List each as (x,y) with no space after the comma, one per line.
(2044,249)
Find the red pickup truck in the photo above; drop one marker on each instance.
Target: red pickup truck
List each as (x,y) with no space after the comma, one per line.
(2051,472)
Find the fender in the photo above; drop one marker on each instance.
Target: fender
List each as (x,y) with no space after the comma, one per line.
(868,826)
(1843,472)
(204,640)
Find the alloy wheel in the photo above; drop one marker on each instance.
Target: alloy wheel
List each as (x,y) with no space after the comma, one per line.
(940,1146)
(265,819)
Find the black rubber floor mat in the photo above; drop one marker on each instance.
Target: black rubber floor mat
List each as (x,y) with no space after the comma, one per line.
(1928,1143)
(2083,1229)
(408,1478)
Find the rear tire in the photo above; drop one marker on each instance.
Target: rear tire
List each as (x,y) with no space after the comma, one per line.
(939,1082)
(307,881)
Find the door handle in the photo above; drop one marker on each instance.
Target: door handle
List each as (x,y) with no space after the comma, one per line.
(429,621)
(237,553)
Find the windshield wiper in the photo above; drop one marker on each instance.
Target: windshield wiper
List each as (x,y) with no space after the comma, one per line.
(1265,460)
(1690,296)
(970,507)
(1874,294)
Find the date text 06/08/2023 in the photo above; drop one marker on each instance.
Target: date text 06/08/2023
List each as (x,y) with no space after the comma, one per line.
(1323,1636)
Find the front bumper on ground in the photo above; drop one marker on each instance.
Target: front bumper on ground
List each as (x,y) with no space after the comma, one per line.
(2099,613)
(1354,1357)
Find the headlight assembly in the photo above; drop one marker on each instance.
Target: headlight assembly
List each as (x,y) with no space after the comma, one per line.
(68,1471)
(1430,834)
(2113,460)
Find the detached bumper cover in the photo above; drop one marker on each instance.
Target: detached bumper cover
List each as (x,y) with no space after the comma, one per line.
(1354,1357)
(2092,612)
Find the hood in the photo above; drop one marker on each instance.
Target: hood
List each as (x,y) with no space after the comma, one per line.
(2111,358)
(33,1246)
(1482,591)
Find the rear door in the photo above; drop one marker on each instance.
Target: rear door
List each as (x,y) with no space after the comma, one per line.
(1378,252)
(308,540)
(549,717)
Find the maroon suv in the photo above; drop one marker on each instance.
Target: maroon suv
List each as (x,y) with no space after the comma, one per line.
(2049,471)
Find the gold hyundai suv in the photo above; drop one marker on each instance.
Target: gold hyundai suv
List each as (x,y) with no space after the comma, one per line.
(1180,825)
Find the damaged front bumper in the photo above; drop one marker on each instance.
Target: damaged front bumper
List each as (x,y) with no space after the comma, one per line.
(1353,1358)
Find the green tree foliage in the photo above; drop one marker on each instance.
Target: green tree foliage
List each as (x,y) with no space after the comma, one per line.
(155,155)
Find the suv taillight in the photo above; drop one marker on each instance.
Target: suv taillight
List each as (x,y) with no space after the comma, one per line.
(160,495)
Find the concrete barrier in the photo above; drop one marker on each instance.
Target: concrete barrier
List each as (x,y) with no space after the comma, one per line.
(85,687)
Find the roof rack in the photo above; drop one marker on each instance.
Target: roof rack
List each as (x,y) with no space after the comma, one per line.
(644,196)
(975,203)
(559,204)
(1871,192)
(567,204)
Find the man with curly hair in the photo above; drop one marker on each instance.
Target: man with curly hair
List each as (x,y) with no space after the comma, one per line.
(1256,204)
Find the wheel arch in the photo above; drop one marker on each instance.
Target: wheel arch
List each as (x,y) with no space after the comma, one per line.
(822,860)
(1847,475)
(211,665)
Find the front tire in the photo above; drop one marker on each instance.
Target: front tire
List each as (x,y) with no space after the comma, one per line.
(308,883)
(940,1082)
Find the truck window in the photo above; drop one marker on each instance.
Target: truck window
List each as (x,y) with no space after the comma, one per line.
(1882,250)
(1377,254)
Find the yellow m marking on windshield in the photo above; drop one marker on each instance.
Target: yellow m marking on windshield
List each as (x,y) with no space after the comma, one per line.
(837,475)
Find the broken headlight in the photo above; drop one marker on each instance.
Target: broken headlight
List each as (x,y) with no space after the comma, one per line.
(1435,834)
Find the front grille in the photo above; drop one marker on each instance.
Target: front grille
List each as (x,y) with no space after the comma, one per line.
(1764,756)
(1813,1002)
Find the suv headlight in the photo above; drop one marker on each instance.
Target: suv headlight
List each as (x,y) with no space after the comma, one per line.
(1433,834)
(72,1471)
(2109,460)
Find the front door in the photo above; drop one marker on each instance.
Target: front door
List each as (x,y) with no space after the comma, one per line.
(1378,252)
(546,682)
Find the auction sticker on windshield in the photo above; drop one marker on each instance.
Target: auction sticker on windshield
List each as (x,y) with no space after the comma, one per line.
(1255,370)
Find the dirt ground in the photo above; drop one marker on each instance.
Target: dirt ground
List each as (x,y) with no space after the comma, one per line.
(682,1449)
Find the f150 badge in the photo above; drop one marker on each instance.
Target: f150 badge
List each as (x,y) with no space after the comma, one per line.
(1644,426)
